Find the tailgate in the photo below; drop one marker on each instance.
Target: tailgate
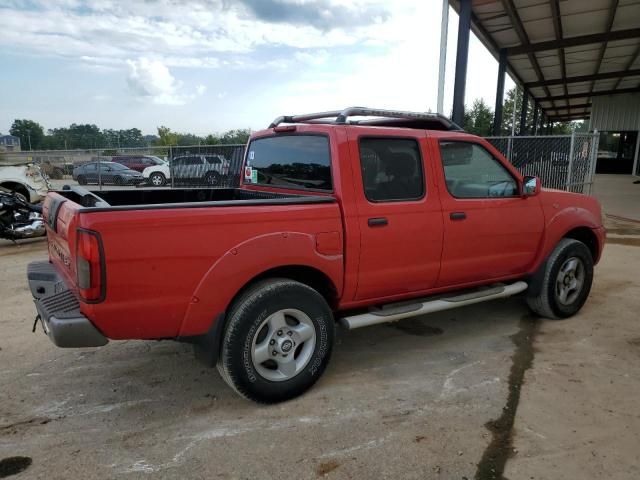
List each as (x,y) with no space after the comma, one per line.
(61,218)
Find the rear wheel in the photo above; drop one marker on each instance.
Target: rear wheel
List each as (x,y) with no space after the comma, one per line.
(567,281)
(82,180)
(212,179)
(277,341)
(157,179)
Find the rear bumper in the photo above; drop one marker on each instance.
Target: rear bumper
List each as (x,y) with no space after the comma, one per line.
(59,309)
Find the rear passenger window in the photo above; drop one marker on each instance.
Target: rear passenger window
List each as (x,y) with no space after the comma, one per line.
(391,169)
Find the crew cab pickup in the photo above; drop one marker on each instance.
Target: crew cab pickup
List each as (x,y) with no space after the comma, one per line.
(358,216)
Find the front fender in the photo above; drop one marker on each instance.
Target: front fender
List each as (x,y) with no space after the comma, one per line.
(562,221)
(239,265)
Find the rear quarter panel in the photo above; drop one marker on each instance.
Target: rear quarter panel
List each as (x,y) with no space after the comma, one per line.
(170,272)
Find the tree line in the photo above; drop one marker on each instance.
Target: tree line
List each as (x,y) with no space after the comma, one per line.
(479,118)
(32,136)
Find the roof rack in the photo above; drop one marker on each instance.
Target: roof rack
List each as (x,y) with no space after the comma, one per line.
(427,121)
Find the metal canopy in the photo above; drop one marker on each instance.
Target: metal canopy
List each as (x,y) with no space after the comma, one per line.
(563,51)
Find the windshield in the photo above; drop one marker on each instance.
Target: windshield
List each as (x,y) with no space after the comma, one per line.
(290,161)
(116,166)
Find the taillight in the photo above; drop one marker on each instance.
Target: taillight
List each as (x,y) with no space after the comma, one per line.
(89,266)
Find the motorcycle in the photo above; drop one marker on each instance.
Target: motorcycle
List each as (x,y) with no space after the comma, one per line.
(19,219)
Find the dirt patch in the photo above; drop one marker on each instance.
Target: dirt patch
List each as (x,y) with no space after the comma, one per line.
(415,327)
(495,457)
(326,467)
(14,465)
(629,242)
(635,342)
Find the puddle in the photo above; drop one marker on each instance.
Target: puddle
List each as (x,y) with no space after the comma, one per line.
(14,465)
(415,327)
(495,457)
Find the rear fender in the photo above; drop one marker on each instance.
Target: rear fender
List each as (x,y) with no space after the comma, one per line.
(238,266)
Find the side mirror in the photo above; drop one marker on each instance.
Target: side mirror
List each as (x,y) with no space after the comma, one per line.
(530,186)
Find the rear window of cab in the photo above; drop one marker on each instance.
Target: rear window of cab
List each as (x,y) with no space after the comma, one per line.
(290,161)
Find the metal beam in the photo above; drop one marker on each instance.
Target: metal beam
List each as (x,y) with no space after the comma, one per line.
(462,56)
(557,26)
(497,119)
(634,57)
(603,48)
(574,41)
(584,78)
(587,94)
(512,12)
(569,107)
(524,108)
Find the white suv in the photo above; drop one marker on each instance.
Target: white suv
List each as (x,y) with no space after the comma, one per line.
(196,169)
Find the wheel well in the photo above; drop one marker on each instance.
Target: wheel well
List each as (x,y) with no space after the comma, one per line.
(300,273)
(207,346)
(586,236)
(18,188)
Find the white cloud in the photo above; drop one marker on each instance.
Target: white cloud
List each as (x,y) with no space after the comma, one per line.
(151,79)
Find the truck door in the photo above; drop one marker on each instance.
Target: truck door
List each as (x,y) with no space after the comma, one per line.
(399,214)
(490,230)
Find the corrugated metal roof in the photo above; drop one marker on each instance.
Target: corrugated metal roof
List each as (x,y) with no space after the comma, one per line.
(587,37)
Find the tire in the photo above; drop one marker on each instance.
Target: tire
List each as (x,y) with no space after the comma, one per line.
(119,181)
(264,320)
(82,180)
(566,283)
(157,179)
(212,179)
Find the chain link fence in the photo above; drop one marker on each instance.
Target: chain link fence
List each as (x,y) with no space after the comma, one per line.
(565,162)
(213,166)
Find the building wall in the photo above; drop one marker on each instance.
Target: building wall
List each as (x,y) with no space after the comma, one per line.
(615,112)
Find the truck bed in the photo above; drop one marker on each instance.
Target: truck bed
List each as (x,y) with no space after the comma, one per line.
(108,200)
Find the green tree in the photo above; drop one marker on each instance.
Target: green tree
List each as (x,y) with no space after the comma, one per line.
(237,136)
(479,118)
(167,137)
(31,133)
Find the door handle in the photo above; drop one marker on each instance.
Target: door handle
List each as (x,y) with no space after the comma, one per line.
(457,215)
(378,222)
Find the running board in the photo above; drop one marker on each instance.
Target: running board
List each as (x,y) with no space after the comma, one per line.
(399,311)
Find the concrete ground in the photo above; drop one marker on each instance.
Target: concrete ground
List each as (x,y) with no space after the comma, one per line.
(434,397)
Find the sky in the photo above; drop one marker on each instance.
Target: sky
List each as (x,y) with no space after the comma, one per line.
(207,66)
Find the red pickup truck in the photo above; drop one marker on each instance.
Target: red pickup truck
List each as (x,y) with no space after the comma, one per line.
(358,216)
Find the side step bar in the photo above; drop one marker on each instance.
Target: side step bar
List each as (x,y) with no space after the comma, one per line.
(392,312)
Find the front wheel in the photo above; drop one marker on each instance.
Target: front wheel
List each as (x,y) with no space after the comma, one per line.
(277,342)
(157,179)
(567,281)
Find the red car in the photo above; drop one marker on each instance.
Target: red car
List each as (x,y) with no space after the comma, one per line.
(337,219)
(137,162)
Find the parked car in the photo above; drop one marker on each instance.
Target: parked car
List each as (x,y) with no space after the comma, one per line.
(26,180)
(192,169)
(138,162)
(360,221)
(106,173)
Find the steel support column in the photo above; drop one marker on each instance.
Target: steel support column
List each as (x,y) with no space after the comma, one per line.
(462,56)
(524,108)
(502,69)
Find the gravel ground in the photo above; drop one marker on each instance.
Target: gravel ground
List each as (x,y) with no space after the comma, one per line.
(432,397)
